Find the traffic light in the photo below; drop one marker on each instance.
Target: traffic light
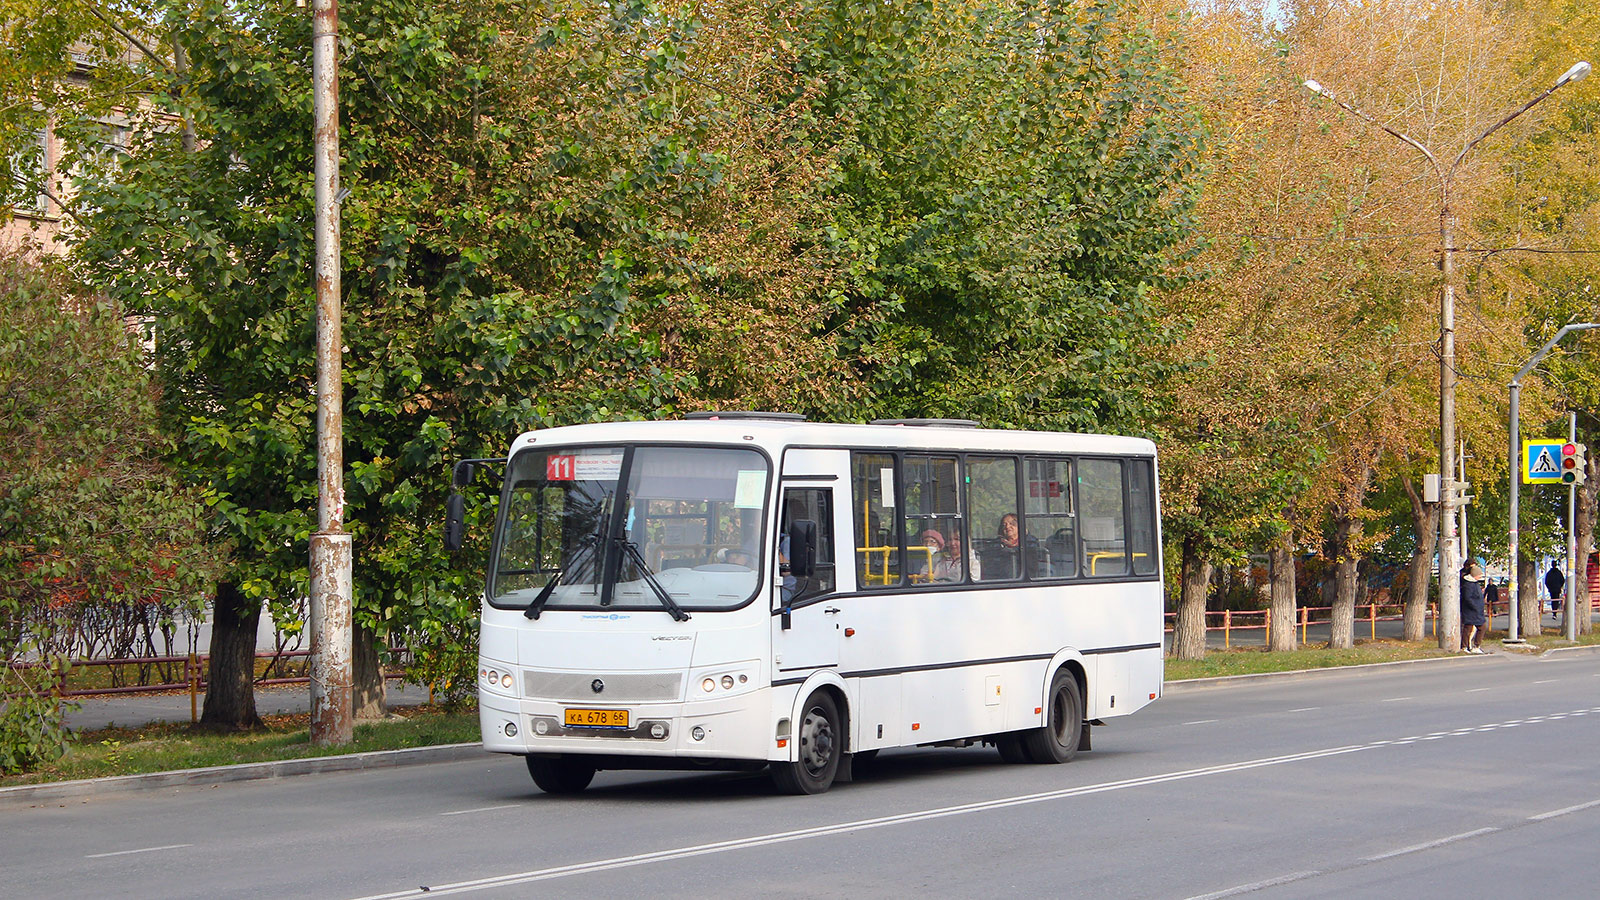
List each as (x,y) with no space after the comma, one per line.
(1573,463)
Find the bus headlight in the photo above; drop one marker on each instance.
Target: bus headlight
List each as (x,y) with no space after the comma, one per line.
(708,685)
(505,680)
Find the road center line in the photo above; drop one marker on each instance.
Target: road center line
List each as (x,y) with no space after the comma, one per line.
(462,812)
(1306,709)
(1431,844)
(1256,886)
(1476,690)
(1201,722)
(1546,681)
(140,850)
(1561,812)
(1395,699)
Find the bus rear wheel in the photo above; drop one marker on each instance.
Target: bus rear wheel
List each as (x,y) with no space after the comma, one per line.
(820,738)
(1057,741)
(559,776)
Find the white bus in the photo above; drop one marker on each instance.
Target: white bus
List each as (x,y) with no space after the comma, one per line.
(749,590)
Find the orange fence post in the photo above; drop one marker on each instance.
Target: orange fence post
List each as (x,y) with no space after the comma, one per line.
(1372,617)
(1227,624)
(1433,616)
(191,674)
(1266,618)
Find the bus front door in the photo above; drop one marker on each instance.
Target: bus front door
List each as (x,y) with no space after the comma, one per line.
(805,621)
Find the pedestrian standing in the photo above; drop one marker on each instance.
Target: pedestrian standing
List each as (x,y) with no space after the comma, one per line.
(1491,597)
(1554,582)
(1471,608)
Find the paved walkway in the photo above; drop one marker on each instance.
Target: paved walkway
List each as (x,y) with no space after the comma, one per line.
(140,709)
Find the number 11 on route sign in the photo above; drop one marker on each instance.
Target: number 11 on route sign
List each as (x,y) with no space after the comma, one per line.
(1541,461)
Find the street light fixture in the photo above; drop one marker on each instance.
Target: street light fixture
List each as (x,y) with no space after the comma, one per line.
(1449,587)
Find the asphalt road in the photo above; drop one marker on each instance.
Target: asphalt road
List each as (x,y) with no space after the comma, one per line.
(1470,778)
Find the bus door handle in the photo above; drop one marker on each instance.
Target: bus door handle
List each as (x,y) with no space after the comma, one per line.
(832,610)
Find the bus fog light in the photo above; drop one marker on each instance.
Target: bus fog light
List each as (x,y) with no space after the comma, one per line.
(511,729)
(698,733)
(727,682)
(709,685)
(541,727)
(658,731)
(505,680)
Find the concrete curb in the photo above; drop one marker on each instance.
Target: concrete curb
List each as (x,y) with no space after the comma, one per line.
(212,775)
(1230,680)
(1557,651)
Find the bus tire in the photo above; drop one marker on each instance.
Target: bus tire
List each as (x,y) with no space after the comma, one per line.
(820,736)
(559,776)
(1057,741)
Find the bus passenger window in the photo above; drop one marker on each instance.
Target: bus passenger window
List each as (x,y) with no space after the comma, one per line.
(997,536)
(1050,520)
(1141,517)
(873,508)
(932,518)
(1100,499)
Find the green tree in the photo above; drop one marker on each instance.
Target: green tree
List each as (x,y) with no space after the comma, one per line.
(89,513)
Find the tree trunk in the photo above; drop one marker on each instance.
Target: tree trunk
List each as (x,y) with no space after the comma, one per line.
(1528,605)
(1342,629)
(1189,632)
(1280,557)
(368,698)
(1425,523)
(231,673)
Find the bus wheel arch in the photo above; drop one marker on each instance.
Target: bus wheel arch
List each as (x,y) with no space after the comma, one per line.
(820,739)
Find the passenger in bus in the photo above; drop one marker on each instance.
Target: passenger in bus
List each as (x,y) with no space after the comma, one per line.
(952,565)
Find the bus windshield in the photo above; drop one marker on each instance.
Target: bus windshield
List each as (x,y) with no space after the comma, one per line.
(686,531)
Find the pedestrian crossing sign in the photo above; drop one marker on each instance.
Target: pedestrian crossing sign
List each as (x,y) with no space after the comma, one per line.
(1541,461)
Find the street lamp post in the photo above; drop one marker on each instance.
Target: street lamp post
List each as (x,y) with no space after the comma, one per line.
(1449,588)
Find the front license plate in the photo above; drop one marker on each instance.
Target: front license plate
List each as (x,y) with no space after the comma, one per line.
(597,718)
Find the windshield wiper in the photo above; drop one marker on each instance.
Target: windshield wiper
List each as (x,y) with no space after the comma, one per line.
(672,606)
(585,549)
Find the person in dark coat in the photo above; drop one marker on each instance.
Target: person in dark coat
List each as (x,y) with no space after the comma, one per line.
(1554,582)
(1491,598)
(1471,608)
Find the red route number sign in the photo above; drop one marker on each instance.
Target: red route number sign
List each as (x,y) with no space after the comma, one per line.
(561,468)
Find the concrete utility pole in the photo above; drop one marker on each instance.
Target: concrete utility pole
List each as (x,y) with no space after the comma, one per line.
(1572,540)
(1449,563)
(331,719)
(1513,452)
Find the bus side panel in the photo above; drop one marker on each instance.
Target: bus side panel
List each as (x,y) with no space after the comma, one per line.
(875,715)
(1122,683)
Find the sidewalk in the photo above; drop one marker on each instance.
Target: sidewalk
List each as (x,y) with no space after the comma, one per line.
(132,710)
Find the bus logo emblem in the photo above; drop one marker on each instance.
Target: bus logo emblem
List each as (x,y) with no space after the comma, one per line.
(597,685)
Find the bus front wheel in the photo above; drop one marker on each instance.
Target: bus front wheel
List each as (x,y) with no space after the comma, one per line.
(1057,741)
(821,740)
(559,776)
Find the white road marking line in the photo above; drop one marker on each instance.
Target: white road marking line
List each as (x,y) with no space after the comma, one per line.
(1315,708)
(462,812)
(1546,681)
(140,850)
(1477,690)
(1202,722)
(1255,886)
(1395,699)
(783,837)
(1431,844)
(1561,812)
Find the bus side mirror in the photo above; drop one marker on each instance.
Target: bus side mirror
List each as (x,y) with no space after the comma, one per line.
(802,548)
(455,511)
(455,508)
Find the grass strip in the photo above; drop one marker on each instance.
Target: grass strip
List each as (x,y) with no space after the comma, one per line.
(1256,660)
(165,746)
